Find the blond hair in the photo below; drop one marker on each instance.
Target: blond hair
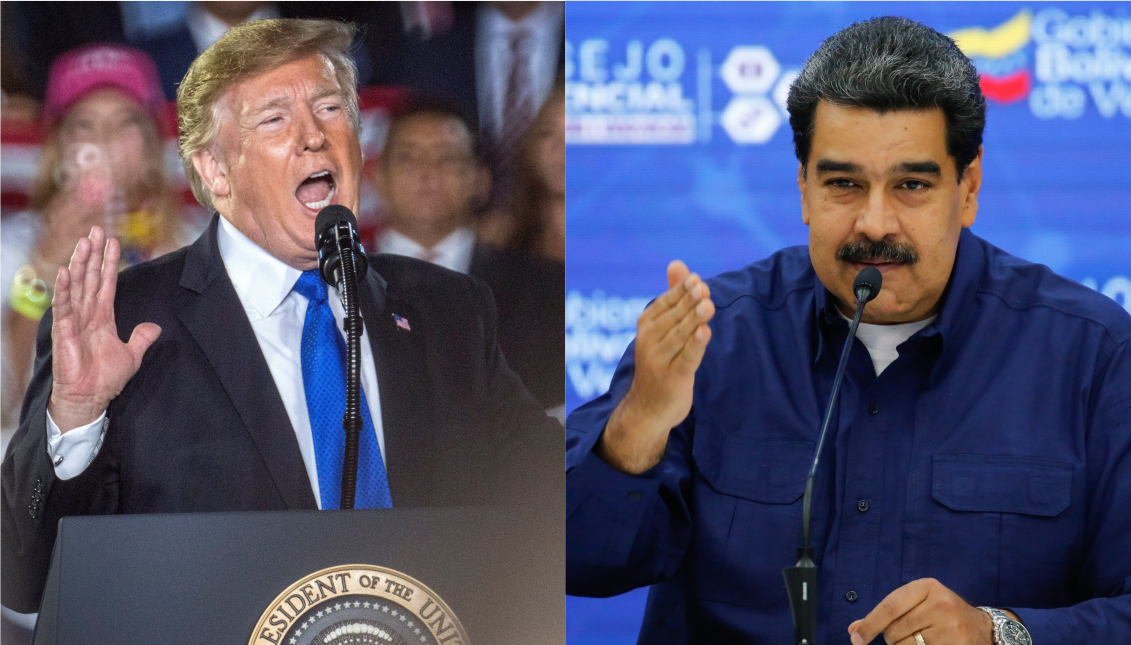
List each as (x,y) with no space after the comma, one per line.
(247,51)
(149,192)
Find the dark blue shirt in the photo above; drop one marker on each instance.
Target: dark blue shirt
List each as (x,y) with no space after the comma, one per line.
(993,455)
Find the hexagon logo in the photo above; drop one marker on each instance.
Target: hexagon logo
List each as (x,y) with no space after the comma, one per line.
(750,69)
(751,119)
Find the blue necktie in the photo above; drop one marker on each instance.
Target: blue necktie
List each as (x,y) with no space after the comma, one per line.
(324,380)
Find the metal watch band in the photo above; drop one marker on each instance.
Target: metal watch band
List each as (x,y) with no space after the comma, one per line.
(1006,630)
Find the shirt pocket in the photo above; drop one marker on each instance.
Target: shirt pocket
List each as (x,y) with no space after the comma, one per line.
(978,498)
(747,521)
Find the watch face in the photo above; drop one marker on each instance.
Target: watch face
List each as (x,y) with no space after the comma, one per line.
(1013,633)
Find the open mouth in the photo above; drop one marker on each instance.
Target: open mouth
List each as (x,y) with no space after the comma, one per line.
(317,191)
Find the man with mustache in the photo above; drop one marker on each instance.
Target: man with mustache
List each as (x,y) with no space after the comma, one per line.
(972,489)
(212,378)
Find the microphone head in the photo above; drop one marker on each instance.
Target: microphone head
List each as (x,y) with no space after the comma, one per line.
(330,216)
(867,284)
(326,239)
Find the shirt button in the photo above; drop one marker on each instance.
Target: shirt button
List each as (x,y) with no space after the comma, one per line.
(874,407)
(635,496)
(851,596)
(862,506)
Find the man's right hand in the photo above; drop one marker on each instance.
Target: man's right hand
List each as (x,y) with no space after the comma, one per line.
(671,336)
(90,365)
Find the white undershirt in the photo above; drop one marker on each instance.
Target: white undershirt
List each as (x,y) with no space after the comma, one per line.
(277,314)
(882,340)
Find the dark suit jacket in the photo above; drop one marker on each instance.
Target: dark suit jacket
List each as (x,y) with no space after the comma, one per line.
(444,65)
(201,426)
(530,298)
(173,51)
(36,33)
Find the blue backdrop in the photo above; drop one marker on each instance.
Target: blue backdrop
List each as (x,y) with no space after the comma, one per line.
(679,147)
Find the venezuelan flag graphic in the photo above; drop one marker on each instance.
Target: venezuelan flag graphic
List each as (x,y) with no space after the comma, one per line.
(1002,66)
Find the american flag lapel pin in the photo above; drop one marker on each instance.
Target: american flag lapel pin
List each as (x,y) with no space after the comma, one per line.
(402,322)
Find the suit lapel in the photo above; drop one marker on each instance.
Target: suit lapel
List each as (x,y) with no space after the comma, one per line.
(216,320)
(402,379)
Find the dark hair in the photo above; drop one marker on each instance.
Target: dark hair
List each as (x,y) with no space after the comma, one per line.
(429,105)
(889,64)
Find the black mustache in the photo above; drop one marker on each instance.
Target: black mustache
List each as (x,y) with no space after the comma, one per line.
(864,250)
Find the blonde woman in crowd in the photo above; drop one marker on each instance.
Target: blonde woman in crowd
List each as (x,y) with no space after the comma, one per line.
(101,164)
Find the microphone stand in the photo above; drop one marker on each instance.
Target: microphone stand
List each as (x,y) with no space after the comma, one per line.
(801,579)
(351,420)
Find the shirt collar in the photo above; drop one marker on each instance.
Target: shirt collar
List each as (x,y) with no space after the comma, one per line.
(261,280)
(453,252)
(957,299)
(206,28)
(540,21)
(957,308)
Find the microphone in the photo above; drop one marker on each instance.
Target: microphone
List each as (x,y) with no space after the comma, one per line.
(335,233)
(870,279)
(341,261)
(801,579)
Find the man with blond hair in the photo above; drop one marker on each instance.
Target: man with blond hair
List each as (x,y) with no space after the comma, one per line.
(210,379)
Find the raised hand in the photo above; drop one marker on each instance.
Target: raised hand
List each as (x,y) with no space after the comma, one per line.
(671,336)
(90,365)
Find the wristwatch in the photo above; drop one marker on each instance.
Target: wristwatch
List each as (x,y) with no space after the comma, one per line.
(1006,630)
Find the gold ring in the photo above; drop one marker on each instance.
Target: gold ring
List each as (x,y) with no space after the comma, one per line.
(919,639)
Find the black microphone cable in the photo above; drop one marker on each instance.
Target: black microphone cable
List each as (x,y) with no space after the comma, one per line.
(801,579)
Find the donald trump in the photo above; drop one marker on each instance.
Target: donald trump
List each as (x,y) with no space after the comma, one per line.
(211,379)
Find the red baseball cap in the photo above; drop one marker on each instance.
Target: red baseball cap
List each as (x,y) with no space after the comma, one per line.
(79,71)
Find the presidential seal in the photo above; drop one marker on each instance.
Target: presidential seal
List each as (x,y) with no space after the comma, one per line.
(358,604)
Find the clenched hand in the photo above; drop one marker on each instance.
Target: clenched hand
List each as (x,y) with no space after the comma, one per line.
(926,607)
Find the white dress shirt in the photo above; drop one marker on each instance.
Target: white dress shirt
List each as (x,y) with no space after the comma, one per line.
(493,58)
(206,28)
(453,252)
(265,286)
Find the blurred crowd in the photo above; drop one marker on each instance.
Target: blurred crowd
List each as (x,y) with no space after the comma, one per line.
(468,170)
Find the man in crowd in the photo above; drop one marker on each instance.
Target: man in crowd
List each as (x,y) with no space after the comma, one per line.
(498,60)
(433,182)
(972,486)
(177,46)
(212,378)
